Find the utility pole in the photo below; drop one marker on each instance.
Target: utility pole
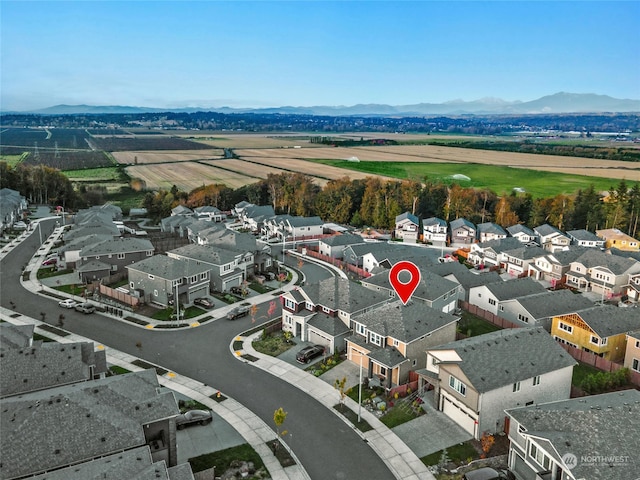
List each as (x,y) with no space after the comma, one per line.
(360,390)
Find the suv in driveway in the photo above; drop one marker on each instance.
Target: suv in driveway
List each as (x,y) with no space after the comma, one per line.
(85,307)
(309,353)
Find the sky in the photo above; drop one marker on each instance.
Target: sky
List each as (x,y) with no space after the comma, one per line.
(237,53)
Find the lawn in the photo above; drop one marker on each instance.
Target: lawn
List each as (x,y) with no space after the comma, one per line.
(580,372)
(461,453)
(169,313)
(397,415)
(223,459)
(472,325)
(274,344)
(500,179)
(48,272)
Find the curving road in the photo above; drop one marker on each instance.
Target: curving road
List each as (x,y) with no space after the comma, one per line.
(324,444)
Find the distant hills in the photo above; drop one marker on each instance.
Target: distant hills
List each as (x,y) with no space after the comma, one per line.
(561,102)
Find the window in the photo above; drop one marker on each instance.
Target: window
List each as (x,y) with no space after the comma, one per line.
(375,339)
(155,293)
(360,329)
(635,365)
(565,327)
(637,343)
(595,340)
(175,283)
(149,253)
(203,276)
(121,256)
(564,342)
(501,308)
(151,277)
(132,285)
(193,279)
(523,318)
(290,304)
(227,267)
(539,456)
(536,380)
(492,301)
(383,370)
(395,342)
(457,385)
(516,387)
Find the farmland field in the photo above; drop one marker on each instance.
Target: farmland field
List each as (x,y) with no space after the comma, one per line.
(156,142)
(500,179)
(186,176)
(141,158)
(252,140)
(106,174)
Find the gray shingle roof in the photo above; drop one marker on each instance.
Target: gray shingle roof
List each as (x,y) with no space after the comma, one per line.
(519,287)
(501,244)
(344,239)
(433,221)
(93,266)
(117,245)
(519,228)
(461,222)
(490,227)
(584,235)
(526,252)
(340,294)
(78,422)
(608,320)
(205,253)
(387,356)
(167,267)
(305,221)
(560,302)
(328,324)
(504,357)
(431,286)
(603,425)
(404,322)
(15,336)
(596,258)
(546,230)
(408,216)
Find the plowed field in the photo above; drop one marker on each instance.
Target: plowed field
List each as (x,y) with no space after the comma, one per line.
(186,176)
(129,158)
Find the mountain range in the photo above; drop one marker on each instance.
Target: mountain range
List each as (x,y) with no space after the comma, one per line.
(561,102)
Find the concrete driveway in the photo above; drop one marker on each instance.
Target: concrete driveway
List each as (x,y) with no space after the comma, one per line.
(432,431)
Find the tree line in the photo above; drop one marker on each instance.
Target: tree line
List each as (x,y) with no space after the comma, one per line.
(376,202)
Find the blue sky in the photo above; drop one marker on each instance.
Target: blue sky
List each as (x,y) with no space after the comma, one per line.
(305,53)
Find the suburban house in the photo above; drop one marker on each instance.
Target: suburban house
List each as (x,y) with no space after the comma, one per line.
(69,253)
(491,296)
(434,231)
(596,437)
(12,206)
(601,273)
(253,217)
(322,312)
(354,254)
(209,213)
(103,259)
(47,364)
(226,268)
(490,231)
(585,238)
(462,232)
(407,227)
(434,291)
(302,227)
(79,423)
(489,253)
(465,278)
(393,253)
(600,330)
(181,210)
(93,228)
(553,267)
(238,243)
(334,245)
(176,224)
(523,233)
(516,262)
(550,238)
(477,378)
(160,278)
(614,238)
(390,341)
(632,352)
(540,308)
(633,287)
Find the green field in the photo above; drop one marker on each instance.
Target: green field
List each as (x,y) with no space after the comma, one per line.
(11,160)
(539,184)
(104,174)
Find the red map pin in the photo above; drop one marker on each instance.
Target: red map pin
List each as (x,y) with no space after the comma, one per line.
(404,290)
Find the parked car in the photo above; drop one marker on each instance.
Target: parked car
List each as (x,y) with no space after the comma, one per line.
(85,307)
(488,473)
(19,226)
(309,353)
(50,262)
(203,302)
(193,417)
(268,275)
(238,312)
(68,303)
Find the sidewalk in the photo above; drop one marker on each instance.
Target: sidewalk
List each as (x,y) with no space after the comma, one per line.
(400,459)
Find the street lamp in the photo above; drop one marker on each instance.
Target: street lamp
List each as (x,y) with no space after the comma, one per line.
(360,390)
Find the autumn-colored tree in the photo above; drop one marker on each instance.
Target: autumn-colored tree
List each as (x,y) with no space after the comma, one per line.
(560,207)
(486,442)
(504,215)
(460,202)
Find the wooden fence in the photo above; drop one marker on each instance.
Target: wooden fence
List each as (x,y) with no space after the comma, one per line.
(119,296)
(599,362)
(488,316)
(312,252)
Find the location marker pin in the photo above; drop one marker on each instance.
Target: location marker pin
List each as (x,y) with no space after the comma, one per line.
(404,290)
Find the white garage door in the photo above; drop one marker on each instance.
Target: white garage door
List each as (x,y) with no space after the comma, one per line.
(453,411)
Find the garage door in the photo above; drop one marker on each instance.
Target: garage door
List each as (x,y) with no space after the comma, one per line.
(315,337)
(452,409)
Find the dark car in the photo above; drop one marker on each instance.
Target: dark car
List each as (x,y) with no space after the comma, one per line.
(203,302)
(85,307)
(309,353)
(238,312)
(193,417)
(268,275)
(488,473)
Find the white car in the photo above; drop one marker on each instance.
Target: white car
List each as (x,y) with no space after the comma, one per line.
(19,226)
(68,303)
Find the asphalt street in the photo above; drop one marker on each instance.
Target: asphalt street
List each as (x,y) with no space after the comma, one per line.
(324,444)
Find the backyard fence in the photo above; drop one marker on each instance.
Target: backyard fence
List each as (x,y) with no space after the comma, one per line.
(598,362)
(488,316)
(313,252)
(119,296)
